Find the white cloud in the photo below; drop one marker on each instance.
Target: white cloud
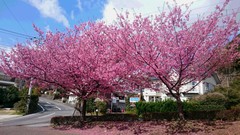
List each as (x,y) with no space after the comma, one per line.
(51,9)
(47,28)
(72,15)
(5,48)
(146,7)
(79,5)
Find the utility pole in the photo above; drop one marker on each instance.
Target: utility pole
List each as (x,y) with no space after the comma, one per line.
(29,95)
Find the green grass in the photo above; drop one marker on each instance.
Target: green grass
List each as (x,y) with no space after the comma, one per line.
(9,112)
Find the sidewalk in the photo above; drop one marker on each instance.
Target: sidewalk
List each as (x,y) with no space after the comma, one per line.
(4,117)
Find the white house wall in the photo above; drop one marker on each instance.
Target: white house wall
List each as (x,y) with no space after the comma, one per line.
(199,89)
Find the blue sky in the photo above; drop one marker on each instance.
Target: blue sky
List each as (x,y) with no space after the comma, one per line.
(17,16)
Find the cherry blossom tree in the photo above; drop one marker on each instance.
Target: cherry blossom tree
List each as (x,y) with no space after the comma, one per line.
(80,61)
(175,49)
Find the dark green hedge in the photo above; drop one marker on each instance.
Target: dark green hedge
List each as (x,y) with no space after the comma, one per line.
(21,106)
(33,106)
(230,115)
(171,106)
(9,96)
(190,115)
(69,120)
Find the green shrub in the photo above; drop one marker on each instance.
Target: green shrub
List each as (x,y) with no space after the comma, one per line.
(21,106)
(190,115)
(214,98)
(151,107)
(231,115)
(201,114)
(9,96)
(33,106)
(168,106)
(70,120)
(168,110)
(160,116)
(101,106)
(90,107)
(232,93)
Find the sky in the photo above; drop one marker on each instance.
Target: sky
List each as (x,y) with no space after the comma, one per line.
(18,16)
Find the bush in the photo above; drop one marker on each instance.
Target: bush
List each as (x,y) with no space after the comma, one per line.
(171,106)
(151,107)
(33,106)
(9,96)
(190,115)
(90,107)
(232,114)
(160,116)
(101,106)
(70,120)
(168,110)
(201,115)
(214,98)
(21,106)
(232,93)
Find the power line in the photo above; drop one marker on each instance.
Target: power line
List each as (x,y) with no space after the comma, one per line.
(16,33)
(14,16)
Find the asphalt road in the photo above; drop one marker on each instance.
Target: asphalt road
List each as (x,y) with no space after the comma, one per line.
(41,119)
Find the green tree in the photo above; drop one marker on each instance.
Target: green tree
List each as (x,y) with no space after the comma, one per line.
(213,98)
(90,105)
(101,106)
(8,96)
(232,93)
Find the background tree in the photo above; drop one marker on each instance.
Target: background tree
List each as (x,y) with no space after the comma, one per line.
(9,96)
(175,49)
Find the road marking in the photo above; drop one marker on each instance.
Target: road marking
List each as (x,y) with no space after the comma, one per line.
(48,103)
(41,107)
(58,108)
(46,115)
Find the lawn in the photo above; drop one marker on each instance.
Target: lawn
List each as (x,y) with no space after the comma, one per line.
(7,111)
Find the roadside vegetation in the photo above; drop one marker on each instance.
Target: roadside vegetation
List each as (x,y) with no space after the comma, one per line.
(14,101)
(8,96)
(21,105)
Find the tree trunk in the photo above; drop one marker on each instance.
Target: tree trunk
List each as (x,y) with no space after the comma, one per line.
(83,109)
(141,95)
(180,107)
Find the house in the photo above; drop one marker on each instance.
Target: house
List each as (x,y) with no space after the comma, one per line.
(72,99)
(202,87)
(6,80)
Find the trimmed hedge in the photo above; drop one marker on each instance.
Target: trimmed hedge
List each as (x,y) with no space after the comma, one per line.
(190,115)
(70,120)
(231,115)
(21,106)
(168,110)
(9,96)
(171,106)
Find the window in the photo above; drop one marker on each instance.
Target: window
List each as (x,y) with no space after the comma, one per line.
(157,99)
(151,99)
(208,86)
(194,83)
